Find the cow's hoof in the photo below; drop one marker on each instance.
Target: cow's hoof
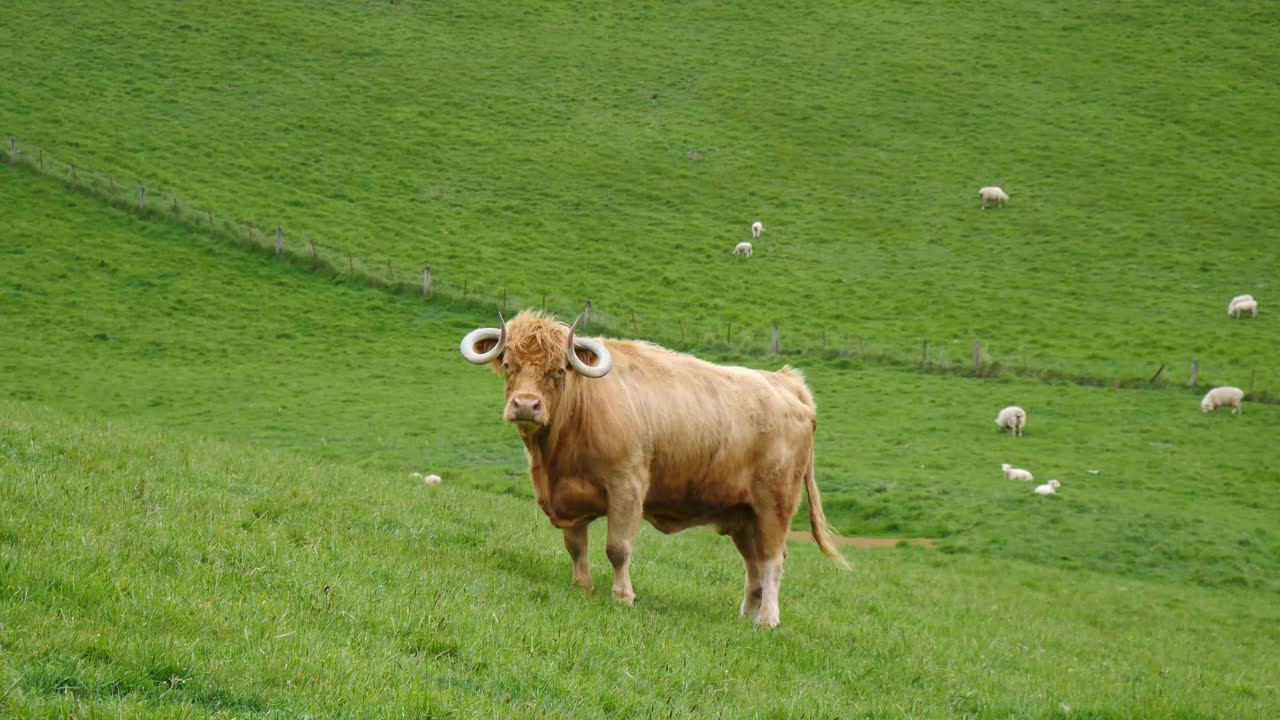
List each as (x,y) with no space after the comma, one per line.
(766,620)
(625,598)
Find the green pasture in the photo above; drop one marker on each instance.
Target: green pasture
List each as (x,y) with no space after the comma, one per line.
(109,315)
(544,150)
(206,507)
(149,573)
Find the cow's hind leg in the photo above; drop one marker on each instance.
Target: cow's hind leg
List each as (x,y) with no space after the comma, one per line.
(744,539)
(626,511)
(575,541)
(771,550)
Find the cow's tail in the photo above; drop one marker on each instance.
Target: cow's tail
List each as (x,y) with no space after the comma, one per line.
(822,532)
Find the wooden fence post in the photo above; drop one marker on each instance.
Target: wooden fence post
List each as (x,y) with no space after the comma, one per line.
(175,208)
(1251,372)
(544,302)
(41,156)
(773,346)
(73,172)
(635,326)
(504,300)
(1195,372)
(313,250)
(13,149)
(391,274)
(426,280)
(351,265)
(1156,376)
(248,231)
(586,316)
(824,339)
(924,353)
(113,183)
(210,214)
(464,288)
(681,329)
(728,335)
(977,357)
(279,239)
(142,197)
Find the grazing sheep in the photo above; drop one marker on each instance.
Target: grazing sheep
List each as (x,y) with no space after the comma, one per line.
(1049,488)
(1244,306)
(1013,419)
(431,479)
(1220,396)
(742,249)
(757,229)
(992,195)
(1236,299)
(1013,473)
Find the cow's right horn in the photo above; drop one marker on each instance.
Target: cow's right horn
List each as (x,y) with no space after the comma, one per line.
(480,334)
(604,361)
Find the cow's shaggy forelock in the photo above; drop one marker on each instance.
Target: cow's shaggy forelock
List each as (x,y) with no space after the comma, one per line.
(534,339)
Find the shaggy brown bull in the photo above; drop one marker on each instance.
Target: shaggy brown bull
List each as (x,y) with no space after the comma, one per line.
(629,431)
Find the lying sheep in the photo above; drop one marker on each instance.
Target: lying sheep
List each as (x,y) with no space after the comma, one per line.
(742,249)
(1244,306)
(757,229)
(1013,419)
(1220,396)
(431,479)
(1049,488)
(992,195)
(1013,473)
(1236,299)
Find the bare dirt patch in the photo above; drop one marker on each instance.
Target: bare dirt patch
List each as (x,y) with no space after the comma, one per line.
(865,542)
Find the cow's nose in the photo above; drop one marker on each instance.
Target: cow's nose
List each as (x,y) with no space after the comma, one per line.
(525,407)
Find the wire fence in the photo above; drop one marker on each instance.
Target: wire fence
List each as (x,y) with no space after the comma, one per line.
(707,336)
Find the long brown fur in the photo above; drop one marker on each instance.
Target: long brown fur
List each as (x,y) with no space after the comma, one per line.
(697,443)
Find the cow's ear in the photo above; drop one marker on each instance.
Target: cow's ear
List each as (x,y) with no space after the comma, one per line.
(586,356)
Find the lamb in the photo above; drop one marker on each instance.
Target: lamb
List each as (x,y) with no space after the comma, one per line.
(431,479)
(1049,488)
(1236,299)
(757,229)
(1013,419)
(742,249)
(1220,396)
(1244,306)
(992,195)
(1013,473)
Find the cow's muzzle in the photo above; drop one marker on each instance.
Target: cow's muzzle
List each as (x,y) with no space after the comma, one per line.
(526,409)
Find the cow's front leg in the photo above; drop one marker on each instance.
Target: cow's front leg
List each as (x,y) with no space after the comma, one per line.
(575,541)
(626,511)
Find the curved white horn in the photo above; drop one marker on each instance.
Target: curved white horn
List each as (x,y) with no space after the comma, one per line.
(469,342)
(604,361)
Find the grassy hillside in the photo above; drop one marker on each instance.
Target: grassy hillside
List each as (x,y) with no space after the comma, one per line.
(109,315)
(156,574)
(545,149)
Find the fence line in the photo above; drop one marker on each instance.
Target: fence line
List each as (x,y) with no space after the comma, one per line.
(708,334)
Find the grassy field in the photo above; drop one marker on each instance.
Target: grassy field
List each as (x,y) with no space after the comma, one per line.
(109,315)
(154,574)
(205,500)
(545,150)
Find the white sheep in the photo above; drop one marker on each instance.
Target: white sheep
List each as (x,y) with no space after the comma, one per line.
(757,229)
(1244,306)
(1049,488)
(1013,473)
(742,249)
(1236,299)
(1220,396)
(992,195)
(431,479)
(1013,419)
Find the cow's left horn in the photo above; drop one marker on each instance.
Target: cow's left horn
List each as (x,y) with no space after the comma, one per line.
(604,361)
(469,342)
